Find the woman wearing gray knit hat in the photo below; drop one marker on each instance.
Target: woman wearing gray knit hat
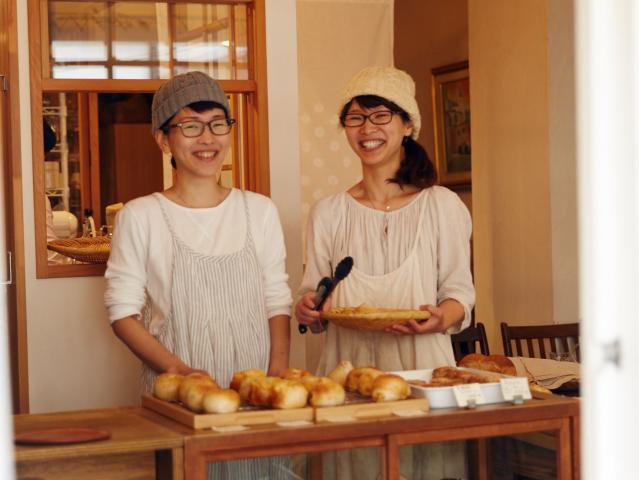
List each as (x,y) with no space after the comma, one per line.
(409,239)
(196,279)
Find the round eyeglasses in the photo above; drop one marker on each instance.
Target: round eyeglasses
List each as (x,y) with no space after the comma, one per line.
(381,117)
(195,128)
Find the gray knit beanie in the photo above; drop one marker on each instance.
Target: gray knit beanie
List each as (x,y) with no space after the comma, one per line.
(389,83)
(182,90)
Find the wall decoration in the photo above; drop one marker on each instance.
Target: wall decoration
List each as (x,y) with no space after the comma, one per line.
(451,119)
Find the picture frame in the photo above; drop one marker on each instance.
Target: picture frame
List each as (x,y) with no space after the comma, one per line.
(451,120)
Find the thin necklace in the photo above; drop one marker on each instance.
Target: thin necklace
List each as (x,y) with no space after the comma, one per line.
(385,207)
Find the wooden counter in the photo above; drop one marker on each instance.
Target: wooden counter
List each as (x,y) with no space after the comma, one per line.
(557,415)
(138,448)
(144,440)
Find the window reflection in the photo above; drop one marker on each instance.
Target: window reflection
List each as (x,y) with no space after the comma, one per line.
(146,39)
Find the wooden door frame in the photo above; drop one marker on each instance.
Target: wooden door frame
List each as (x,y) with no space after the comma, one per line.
(17,324)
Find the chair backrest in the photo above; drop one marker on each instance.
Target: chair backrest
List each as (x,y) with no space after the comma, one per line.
(466,341)
(540,340)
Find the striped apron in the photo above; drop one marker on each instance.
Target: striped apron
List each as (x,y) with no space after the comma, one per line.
(218,323)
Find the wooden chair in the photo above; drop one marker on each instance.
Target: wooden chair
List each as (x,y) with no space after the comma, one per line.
(466,341)
(540,340)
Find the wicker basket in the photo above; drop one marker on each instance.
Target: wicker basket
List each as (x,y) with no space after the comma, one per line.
(371,319)
(83,249)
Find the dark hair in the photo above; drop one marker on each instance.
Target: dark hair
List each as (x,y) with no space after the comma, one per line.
(198,107)
(416,168)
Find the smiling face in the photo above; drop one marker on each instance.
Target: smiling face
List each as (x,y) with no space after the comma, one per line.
(377,145)
(200,156)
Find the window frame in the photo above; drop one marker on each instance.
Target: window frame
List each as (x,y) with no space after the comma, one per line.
(252,92)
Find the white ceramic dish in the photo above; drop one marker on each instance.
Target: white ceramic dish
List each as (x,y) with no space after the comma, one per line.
(443,397)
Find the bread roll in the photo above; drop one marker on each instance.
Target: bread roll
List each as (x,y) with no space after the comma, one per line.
(326,392)
(287,394)
(221,401)
(390,388)
(353,377)
(247,386)
(262,390)
(166,386)
(194,397)
(491,363)
(340,372)
(294,374)
(191,380)
(238,377)
(309,381)
(365,381)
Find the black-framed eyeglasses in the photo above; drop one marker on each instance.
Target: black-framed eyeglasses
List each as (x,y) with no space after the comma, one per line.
(381,117)
(195,128)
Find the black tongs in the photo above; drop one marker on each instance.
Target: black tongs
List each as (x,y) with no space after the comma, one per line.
(325,287)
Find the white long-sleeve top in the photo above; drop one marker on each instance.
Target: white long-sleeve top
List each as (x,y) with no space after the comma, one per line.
(379,242)
(142,250)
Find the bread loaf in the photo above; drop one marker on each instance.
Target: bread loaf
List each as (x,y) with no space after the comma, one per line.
(491,363)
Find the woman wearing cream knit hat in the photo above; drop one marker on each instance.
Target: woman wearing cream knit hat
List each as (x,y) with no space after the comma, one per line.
(410,242)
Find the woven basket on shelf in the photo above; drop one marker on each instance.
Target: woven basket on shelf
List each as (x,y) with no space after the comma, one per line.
(371,319)
(84,249)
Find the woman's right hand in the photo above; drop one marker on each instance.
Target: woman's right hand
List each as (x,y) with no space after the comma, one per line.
(304,309)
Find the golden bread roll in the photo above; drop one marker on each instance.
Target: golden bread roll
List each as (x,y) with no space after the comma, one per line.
(353,377)
(166,386)
(287,394)
(191,380)
(491,363)
(365,381)
(221,401)
(390,388)
(340,372)
(326,392)
(194,397)
(309,381)
(262,391)
(246,386)
(294,374)
(238,377)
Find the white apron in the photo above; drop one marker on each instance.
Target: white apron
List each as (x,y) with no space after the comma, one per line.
(404,287)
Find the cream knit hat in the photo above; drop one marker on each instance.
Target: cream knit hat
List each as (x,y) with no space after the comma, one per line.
(389,83)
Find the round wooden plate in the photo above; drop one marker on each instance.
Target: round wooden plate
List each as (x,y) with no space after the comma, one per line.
(60,436)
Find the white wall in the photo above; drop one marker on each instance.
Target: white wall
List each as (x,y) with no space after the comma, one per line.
(75,361)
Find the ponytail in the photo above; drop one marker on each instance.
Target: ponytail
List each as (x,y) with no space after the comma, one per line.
(416,168)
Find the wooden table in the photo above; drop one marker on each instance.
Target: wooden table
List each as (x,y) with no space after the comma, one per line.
(139,447)
(547,413)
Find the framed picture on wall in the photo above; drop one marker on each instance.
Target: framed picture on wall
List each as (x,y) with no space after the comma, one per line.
(451,119)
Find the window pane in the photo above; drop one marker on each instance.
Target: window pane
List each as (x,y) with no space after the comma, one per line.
(145,39)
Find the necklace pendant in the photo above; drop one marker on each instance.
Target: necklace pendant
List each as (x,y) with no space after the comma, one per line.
(387,208)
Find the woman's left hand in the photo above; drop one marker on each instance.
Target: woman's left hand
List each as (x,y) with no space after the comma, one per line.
(434,324)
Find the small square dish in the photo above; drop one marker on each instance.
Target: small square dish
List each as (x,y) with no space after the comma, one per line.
(444,397)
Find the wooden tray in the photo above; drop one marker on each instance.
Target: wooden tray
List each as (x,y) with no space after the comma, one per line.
(358,407)
(249,416)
